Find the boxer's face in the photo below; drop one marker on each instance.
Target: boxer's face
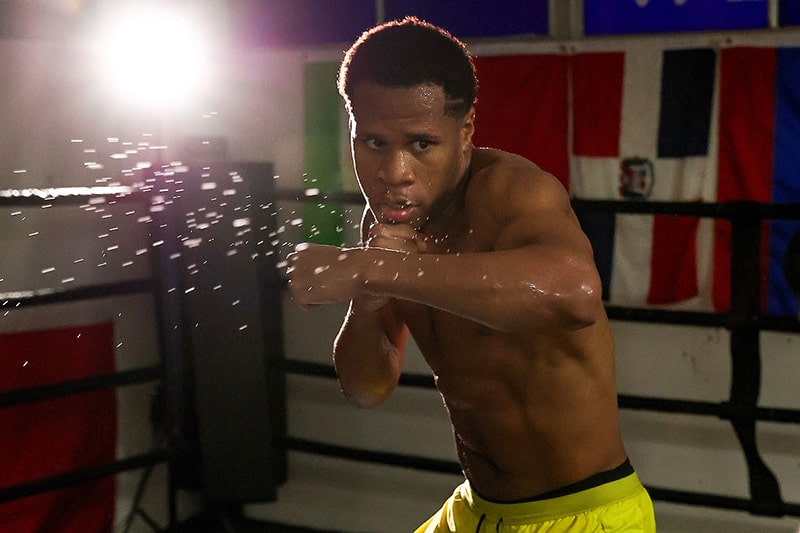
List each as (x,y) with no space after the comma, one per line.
(408,154)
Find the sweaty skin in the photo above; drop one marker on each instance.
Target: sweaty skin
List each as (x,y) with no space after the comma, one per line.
(478,255)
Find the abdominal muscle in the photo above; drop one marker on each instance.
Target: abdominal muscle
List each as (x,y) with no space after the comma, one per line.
(527,417)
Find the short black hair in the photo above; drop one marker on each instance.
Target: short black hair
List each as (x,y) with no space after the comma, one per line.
(410,52)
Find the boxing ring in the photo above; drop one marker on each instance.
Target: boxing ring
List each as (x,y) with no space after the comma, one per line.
(196,231)
(175,374)
(154,286)
(744,321)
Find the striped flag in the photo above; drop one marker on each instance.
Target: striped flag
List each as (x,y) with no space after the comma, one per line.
(651,138)
(759,157)
(785,183)
(694,124)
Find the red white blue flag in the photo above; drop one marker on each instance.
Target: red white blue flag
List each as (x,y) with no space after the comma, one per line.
(659,122)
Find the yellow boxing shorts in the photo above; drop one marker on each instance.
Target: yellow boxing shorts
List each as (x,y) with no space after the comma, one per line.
(618,505)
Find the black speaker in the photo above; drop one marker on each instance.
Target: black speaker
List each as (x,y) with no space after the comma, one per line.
(227,387)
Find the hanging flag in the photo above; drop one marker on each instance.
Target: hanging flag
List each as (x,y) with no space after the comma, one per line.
(323,222)
(681,138)
(759,160)
(522,108)
(52,437)
(747,103)
(781,299)
(649,139)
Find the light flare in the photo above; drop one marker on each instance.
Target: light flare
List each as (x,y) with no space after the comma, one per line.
(154,54)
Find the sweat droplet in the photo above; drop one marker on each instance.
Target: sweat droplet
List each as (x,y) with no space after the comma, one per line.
(420,274)
(320,270)
(341,257)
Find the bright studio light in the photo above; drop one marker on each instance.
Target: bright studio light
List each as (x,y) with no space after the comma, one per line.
(153,55)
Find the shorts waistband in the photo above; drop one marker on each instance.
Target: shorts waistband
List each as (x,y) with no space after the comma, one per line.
(553,508)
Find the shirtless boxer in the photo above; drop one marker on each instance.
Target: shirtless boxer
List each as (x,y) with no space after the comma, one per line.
(478,255)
